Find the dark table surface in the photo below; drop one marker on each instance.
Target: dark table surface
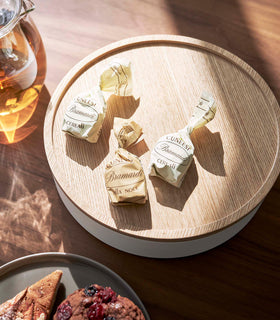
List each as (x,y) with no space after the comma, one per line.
(237,280)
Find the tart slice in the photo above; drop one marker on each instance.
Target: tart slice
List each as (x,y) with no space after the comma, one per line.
(34,302)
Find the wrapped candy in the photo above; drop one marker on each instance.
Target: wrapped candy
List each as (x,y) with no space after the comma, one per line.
(173,153)
(85,114)
(125,180)
(126,131)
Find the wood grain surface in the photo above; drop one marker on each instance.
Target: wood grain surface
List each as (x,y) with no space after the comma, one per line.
(238,280)
(236,155)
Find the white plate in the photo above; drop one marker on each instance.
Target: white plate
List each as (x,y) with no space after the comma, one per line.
(78,272)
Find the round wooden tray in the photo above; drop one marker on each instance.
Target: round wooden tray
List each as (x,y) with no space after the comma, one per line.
(236,158)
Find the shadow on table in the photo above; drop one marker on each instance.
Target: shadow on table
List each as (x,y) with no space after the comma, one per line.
(36,112)
(32,146)
(26,218)
(135,217)
(224,24)
(172,197)
(209,153)
(209,150)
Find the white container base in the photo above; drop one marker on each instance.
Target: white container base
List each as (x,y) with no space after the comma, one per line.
(153,248)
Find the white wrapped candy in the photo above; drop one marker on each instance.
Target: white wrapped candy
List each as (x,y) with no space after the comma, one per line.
(85,115)
(173,153)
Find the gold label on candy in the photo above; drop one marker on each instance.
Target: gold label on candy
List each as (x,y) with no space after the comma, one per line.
(173,153)
(125,180)
(114,179)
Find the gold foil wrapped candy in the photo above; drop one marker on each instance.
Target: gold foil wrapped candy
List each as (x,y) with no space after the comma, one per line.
(85,114)
(173,153)
(126,131)
(125,180)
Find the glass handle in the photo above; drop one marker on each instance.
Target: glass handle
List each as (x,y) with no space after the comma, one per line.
(28,6)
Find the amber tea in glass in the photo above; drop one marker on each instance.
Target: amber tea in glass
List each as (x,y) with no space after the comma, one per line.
(22,69)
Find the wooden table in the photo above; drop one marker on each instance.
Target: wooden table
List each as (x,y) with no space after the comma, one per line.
(238,280)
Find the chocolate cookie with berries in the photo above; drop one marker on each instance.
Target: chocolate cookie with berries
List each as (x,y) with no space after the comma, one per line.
(97,303)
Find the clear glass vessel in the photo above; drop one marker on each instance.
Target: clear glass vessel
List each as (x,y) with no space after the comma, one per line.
(22,67)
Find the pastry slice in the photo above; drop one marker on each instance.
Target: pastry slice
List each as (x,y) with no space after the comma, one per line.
(9,308)
(33,303)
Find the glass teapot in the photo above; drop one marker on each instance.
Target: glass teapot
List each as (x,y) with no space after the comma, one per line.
(22,67)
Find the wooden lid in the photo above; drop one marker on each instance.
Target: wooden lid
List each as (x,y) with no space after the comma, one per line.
(236,158)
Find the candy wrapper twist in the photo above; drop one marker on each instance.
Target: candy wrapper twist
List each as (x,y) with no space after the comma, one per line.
(84,116)
(173,153)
